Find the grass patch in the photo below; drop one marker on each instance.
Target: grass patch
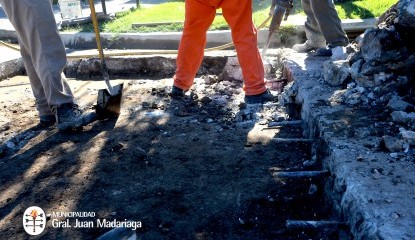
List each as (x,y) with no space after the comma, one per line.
(167,12)
(363,8)
(174,11)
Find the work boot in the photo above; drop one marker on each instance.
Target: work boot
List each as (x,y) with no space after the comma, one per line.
(177,92)
(47,120)
(324,52)
(335,52)
(260,98)
(306,47)
(68,116)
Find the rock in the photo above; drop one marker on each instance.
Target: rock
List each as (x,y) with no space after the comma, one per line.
(393,155)
(312,189)
(407,13)
(392,144)
(371,96)
(403,117)
(382,45)
(381,77)
(232,70)
(376,174)
(219,100)
(373,67)
(351,85)
(287,94)
(359,40)
(221,88)
(257,116)
(336,72)
(210,79)
(361,79)
(391,87)
(408,136)
(353,99)
(339,53)
(337,97)
(263,122)
(360,89)
(11,145)
(397,104)
(351,49)
(227,83)
(145,105)
(268,68)
(355,68)
(238,117)
(206,100)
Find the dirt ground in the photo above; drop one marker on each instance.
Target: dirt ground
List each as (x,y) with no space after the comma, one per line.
(193,168)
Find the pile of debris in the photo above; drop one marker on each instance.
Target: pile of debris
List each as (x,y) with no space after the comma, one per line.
(379,73)
(220,99)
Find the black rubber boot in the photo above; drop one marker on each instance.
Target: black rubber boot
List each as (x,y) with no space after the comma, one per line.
(260,98)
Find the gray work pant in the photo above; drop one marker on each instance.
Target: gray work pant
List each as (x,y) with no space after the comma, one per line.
(323,25)
(42,51)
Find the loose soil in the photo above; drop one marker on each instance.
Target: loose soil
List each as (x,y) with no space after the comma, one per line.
(185,168)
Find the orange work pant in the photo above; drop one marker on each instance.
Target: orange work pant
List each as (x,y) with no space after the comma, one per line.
(199,16)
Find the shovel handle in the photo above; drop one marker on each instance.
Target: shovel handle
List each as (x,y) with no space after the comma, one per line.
(99,46)
(96,29)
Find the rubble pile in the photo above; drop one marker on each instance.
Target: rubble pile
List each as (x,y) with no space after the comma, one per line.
(379,73)
(220,99)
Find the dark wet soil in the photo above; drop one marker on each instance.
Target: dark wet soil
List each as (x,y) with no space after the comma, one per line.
(184,168)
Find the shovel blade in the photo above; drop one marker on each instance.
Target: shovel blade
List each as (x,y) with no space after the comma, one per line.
(109,105)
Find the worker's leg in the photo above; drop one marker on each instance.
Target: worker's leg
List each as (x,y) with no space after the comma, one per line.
(198,18)
(329,22)
(238,14)
(42,104)
(36,27)
(312,30)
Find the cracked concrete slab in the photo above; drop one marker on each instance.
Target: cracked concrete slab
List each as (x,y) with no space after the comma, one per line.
(373,190)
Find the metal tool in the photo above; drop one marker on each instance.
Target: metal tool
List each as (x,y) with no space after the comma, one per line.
(109,100)
(280,9)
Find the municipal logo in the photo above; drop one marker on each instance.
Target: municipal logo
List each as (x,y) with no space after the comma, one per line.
(34,220)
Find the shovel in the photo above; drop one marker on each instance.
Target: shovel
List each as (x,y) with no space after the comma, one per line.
(109,100)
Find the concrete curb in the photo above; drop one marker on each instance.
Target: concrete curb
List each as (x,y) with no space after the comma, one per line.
(8,34)
(11,68)
(164,41)
(375,205)
(81,40)
(171,40)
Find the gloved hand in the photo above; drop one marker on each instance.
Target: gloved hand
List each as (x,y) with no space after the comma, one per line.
(272,8)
